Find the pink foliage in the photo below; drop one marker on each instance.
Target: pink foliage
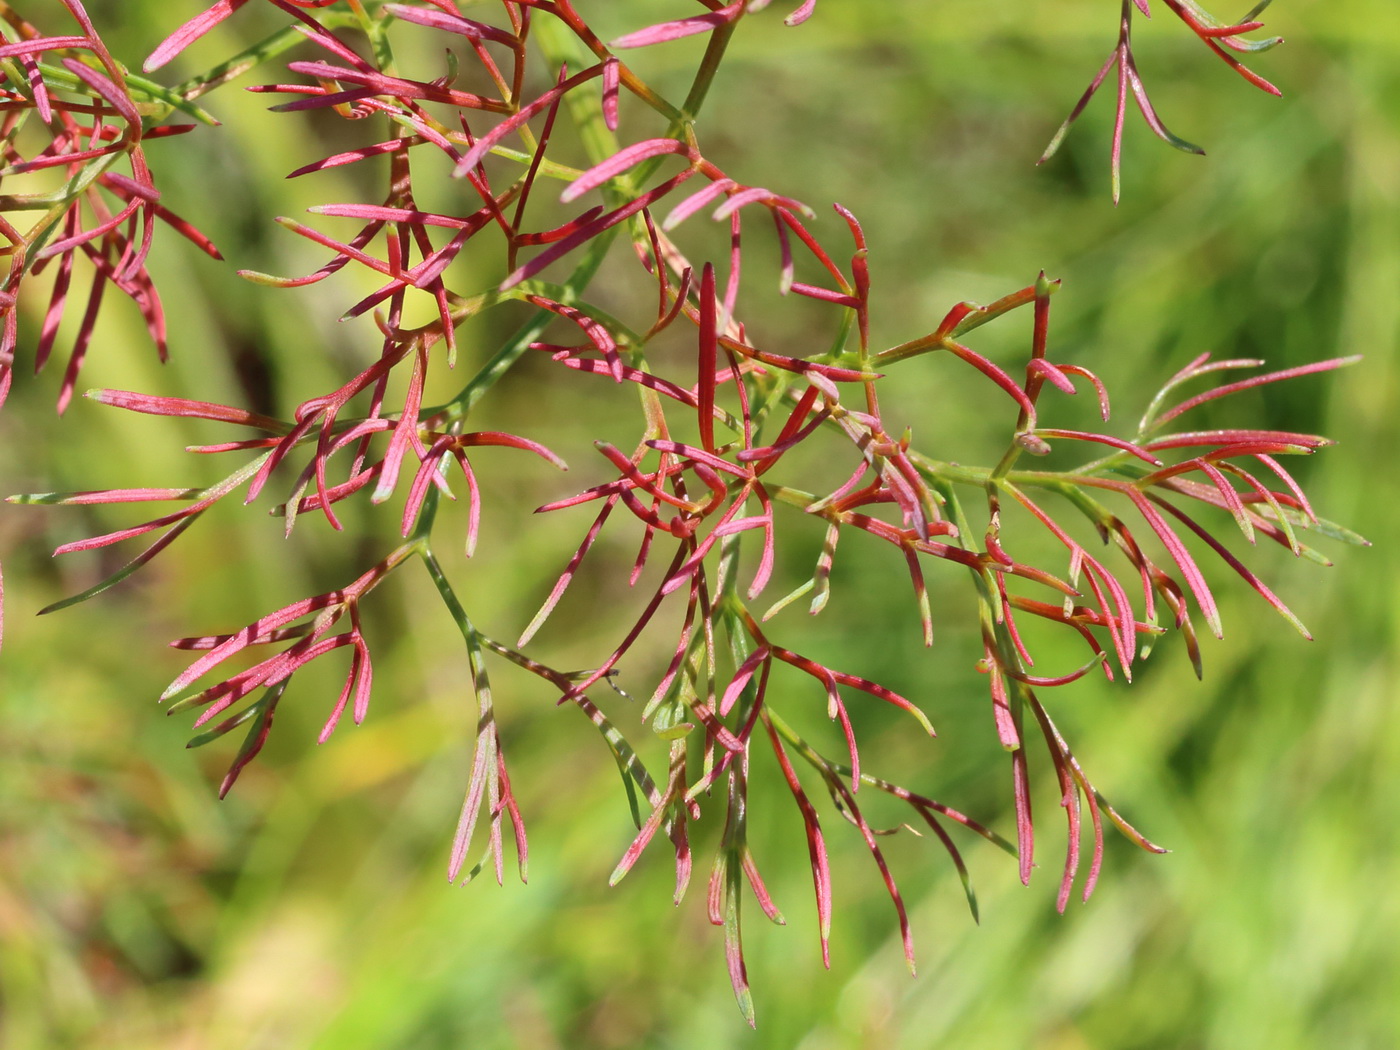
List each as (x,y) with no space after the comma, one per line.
(715,477)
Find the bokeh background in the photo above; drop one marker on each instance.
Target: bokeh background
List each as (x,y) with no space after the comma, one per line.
(309,910)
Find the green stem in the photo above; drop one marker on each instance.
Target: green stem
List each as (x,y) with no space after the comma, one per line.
(504,359)
(705,75)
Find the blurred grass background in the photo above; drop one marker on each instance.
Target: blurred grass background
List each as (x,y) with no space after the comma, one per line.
(309,909)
